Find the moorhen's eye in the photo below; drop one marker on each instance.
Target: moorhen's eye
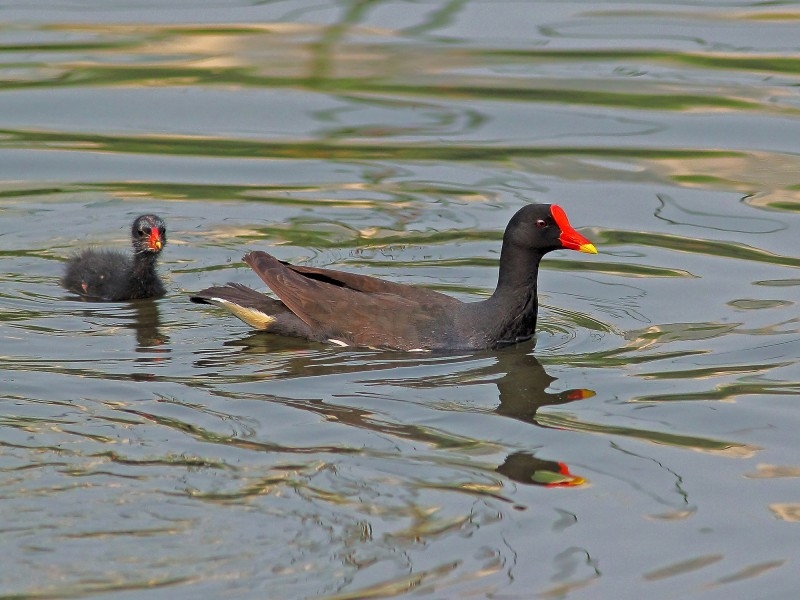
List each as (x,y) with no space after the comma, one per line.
(541,224)
(144,231)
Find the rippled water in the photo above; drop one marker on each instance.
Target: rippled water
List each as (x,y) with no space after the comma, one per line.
(645,447)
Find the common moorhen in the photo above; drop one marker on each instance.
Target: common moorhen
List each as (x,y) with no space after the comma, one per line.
(356,310)
(109,275)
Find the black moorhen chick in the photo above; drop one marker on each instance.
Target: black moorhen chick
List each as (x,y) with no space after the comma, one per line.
(356,310)
(109,275)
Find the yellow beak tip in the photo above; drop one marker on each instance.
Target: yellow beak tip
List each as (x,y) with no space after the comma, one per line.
(588,248)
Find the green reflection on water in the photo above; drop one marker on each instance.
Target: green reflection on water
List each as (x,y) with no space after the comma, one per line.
(697,246)
(573,423)
(219,147)
(319,66)
(726,391)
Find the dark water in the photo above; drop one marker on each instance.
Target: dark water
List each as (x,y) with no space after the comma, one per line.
(645,447)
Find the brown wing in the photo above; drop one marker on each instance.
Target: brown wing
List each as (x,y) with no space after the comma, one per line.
(359,310)
(372,285)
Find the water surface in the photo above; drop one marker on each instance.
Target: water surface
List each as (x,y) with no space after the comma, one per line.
(644,445)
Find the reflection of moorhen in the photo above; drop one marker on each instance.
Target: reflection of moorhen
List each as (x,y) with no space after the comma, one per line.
(522,384)
(146,322)
(521,381)
(356,310)
(522,394)
(523,387)
(524,467)
(110,275)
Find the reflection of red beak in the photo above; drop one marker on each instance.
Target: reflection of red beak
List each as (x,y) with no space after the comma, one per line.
(155,240)
(570,238)
(579,394)
(569,479)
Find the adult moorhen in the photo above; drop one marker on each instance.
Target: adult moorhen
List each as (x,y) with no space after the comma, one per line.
(356,310)
(109,275)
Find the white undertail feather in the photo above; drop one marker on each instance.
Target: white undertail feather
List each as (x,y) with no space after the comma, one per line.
(251,316)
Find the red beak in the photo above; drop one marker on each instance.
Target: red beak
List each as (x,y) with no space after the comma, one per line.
(570,238)
(155,240)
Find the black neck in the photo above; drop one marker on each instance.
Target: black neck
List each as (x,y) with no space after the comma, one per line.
(518,268)
(514,300)
(144,262)
(144,280)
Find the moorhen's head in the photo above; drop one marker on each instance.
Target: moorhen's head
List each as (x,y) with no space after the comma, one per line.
(149,234)
(541,228)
